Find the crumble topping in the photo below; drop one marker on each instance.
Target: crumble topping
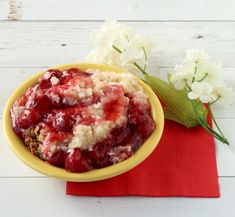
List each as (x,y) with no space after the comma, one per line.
(82,120)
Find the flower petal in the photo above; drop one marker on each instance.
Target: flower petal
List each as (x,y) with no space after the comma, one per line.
(192,95)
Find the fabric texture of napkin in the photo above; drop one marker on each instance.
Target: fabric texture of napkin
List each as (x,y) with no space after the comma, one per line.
(183,164)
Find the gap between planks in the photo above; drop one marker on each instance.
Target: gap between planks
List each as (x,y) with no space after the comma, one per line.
(47,177)
(123,21)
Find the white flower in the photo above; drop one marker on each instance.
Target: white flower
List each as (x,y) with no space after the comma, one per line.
(196,55)
(202,91)
(222,92)
(131,45)
(139,42)
(111,31)
(207,71)
(131,55)
(200,76)
(181,76)
(104,56)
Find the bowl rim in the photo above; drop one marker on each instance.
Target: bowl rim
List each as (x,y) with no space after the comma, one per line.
(43,167)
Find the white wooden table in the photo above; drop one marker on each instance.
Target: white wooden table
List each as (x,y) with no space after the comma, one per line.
(53,32)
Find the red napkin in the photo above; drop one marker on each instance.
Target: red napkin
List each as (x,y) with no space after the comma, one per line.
(183,164)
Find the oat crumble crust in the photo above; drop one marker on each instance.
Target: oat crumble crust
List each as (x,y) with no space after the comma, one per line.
(33,138)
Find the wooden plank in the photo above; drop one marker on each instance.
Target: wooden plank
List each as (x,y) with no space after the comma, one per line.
(37,196)
(22,197)
(128,10)
(225,155)
(4,9)
(12,77)
(39,44)
(10,165)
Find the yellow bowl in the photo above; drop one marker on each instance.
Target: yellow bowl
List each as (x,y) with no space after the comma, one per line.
(41,166)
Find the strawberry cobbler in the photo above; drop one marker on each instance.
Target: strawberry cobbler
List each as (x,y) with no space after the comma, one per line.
(83,120)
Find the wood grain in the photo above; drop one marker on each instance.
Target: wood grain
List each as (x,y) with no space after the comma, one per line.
(127,10)
(40,44)
(4,9)
(25,199)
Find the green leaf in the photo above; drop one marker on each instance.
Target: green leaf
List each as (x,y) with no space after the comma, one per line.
(169,115)
(176,101)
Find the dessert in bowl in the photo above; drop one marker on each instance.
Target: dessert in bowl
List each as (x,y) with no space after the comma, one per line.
(83,122)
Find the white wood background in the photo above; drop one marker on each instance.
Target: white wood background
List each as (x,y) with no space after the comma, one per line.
(52,32)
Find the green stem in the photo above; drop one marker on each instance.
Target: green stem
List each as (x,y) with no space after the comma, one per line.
(215,100)
(209,130)
(203,77)
(145,57)
(117,49)
(135,63)
(140,68)
(213,118)
(206,126)
(195,71)
(204,123)
(221,138)
(216,135)
(186,83)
